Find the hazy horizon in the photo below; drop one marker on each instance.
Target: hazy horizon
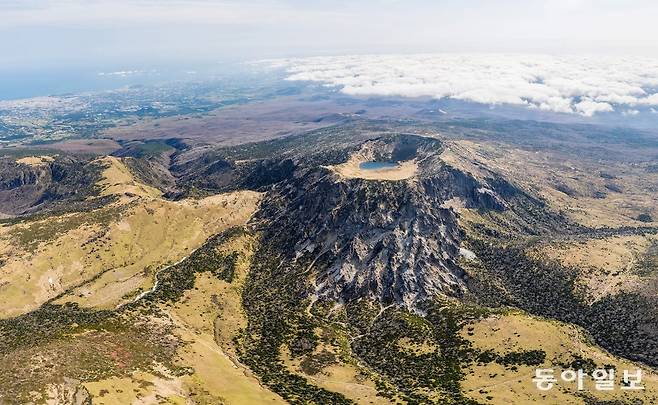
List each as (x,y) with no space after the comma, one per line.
(67,46)
(60,34)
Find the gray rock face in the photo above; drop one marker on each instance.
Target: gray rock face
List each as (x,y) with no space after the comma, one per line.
(29,188)
(70,392)
(401,247)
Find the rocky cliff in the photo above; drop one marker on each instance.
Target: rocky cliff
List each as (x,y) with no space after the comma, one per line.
(395,241)
(31,184)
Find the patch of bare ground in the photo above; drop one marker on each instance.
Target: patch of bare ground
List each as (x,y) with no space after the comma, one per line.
(401,170)
(35,160)
(91,146)
(352,169)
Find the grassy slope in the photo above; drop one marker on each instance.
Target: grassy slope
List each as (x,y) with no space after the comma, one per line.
(563,344)
(110,253)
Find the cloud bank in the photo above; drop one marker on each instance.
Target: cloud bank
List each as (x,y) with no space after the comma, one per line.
(581,85)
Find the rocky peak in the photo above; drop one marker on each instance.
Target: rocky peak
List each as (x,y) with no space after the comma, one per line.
(396,241)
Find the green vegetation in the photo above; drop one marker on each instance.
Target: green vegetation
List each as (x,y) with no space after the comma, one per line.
(423,357)
(580,363)
(647,264)
(645,218)
(511,359)
(31,234)
(276,318)
(152,148)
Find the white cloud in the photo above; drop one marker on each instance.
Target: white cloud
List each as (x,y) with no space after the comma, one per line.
(125,73)
(588,107)
(582,85)
(650,100)
(630,113)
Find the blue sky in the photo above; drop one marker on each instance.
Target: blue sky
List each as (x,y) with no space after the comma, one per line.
(65,33)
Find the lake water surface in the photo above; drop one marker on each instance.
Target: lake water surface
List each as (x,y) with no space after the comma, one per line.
(378,165)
